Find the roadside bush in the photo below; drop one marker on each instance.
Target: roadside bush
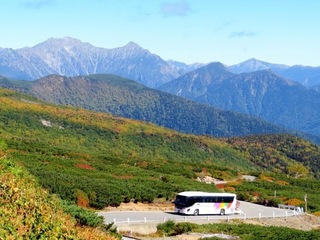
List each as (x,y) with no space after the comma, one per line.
(83,217)
(274,202)
(166,228)
(170,228)
(181,228)
(244,196)
(295,202)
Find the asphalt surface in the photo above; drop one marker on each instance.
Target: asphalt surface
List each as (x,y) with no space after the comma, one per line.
(248,210)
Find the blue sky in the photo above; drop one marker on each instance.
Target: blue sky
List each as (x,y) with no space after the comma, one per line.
(229,31)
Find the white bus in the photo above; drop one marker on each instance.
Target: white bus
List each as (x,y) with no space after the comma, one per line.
(195,203)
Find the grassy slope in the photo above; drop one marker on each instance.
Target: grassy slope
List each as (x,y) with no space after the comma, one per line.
(107,160)
(100,154)
(29,212)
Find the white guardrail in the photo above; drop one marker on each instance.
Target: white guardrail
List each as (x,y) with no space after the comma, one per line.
(211,218)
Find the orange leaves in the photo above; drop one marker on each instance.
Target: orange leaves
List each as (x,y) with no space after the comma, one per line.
(82,198)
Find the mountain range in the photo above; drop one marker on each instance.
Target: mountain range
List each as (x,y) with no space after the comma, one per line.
(263,94)
(71,57)
(305,75)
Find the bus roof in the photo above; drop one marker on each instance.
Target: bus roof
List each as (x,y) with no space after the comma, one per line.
(206,194)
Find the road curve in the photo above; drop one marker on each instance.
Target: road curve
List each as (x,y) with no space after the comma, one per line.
(249,210)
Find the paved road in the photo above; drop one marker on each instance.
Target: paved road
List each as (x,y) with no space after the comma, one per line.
(249,210)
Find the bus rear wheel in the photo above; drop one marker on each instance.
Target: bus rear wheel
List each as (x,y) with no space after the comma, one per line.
(222,212)
(196,212)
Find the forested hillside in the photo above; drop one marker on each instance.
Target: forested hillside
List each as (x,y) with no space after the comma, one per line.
(271,152)
(126,98)
(263,94)
(96,159)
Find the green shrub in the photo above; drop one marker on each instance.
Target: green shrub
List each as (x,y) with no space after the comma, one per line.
(83,217)
(181,228)
(166,227)
(274,202)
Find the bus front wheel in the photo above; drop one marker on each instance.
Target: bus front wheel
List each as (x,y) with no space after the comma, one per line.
(222,212)
(196,212)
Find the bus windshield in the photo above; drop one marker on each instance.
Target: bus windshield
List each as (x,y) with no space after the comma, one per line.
(181,201)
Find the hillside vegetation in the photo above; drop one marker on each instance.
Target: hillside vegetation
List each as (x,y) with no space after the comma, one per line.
(98,160)
(126,98)
(29,212)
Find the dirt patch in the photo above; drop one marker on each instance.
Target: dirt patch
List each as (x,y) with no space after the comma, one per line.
(161,206)
(304,222)
(84,166)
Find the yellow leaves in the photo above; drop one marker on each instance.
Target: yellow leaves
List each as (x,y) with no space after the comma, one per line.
(28,212)
(266,178)
(283,183)
(294,202)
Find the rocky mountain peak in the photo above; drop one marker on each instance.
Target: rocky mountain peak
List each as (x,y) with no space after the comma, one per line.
(132,45)
(66,43)
(253,65)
